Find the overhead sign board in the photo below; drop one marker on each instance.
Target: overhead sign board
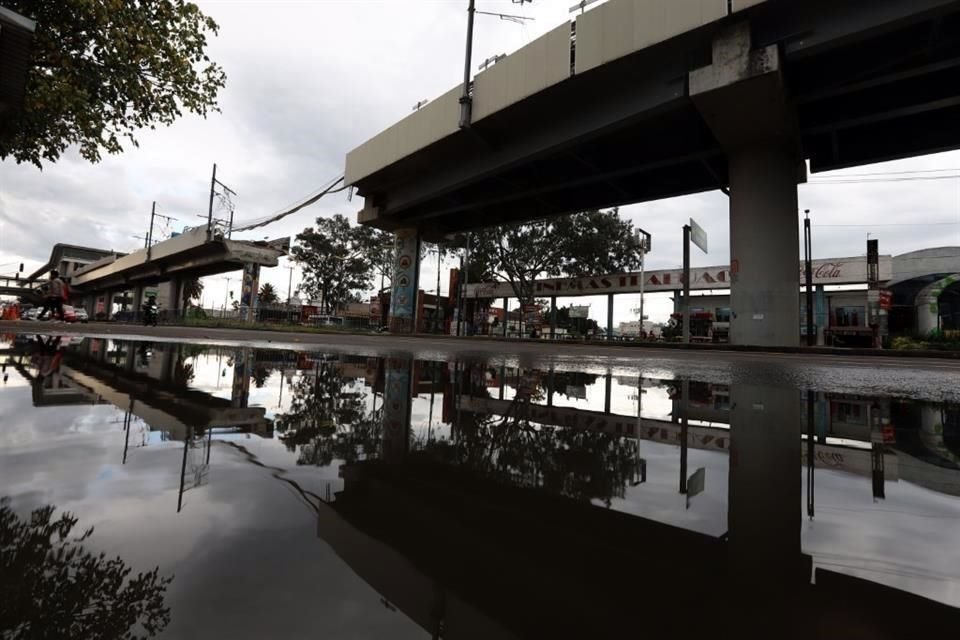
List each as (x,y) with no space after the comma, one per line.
(698,236)
(582,311)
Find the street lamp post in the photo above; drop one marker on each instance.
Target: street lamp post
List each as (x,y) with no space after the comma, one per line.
(466,100)
(808,273)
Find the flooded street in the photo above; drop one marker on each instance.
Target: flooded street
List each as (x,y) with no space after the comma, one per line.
(303,493)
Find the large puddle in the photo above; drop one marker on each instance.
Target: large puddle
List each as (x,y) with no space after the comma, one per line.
(284,494)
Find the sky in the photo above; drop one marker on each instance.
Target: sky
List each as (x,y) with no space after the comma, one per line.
(308,81)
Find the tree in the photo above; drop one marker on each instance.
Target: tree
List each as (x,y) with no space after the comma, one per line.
(54,588)
(336,260)
(192,290)
(103,69)
(582,244)
(268,294)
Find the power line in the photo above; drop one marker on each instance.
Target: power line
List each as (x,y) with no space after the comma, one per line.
(842,180)
(894,224)
(892,173)
(310,200)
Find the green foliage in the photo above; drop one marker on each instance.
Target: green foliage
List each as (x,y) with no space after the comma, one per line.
(339,260)
(267,294)
(192,290)
(52,587)
(102,69)
(582,244)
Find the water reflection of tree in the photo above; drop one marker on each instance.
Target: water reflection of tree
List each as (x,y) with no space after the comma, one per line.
(52,587)
(329,420)
(580,464)
(577,463)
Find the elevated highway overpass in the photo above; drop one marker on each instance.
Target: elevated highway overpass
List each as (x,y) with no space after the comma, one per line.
(636,101)
(193,254)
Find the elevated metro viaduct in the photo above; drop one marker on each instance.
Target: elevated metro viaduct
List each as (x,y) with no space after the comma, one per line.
(635,101)
(96,274)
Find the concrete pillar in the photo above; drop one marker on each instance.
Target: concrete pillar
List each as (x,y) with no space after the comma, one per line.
(406,276)
(249,291)
(743,99)
(108,303)
(764,246)
(176,297)
(137,302)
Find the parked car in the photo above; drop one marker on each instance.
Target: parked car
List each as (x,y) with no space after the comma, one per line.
(69,313)
(30,314)
(82,315)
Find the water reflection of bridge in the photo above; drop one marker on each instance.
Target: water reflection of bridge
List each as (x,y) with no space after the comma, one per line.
(147,381)
(467,555)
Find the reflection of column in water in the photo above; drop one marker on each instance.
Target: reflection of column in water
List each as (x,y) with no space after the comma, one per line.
(763,516)
(396,410)
(684,411)
(811,448)
(183,466)
(606,392)
(241,378)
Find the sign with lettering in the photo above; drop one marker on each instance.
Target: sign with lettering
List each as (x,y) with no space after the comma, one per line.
(825,271)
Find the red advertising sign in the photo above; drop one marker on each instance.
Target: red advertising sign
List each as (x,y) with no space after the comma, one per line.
(886,299)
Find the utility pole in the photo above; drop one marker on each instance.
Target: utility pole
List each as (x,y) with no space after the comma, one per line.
(290,285)
(644,238)
(213,183)
(466,100)
(686,291)
(153,216)
(437,307)
(808,276)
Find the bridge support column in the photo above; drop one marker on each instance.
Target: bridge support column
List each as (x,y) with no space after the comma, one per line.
(742,98)
(137,302)
(176,297)
(406,278)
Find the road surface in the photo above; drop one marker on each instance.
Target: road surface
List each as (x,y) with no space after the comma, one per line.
(935,379)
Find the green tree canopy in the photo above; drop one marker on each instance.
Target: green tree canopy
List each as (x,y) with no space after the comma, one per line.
(54,588)
(338,259)
(267,294)
(192,290)
(587,243)
(102,69)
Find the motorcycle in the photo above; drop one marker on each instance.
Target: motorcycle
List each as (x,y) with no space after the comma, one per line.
(151,314)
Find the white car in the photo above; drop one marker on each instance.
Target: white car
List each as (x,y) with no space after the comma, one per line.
(81,315)
(30,314)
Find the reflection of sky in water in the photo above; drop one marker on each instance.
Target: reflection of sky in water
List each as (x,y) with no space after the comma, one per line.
(245,537)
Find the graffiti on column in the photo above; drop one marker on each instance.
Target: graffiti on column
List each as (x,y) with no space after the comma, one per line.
(251,282)
(396,409)
(403,298)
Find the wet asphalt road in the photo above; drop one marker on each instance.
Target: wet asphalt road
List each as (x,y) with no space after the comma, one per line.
(932,379)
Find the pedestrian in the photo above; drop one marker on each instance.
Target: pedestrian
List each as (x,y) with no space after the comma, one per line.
(53,299)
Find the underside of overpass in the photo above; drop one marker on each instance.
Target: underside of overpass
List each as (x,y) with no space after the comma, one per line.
(737,104)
